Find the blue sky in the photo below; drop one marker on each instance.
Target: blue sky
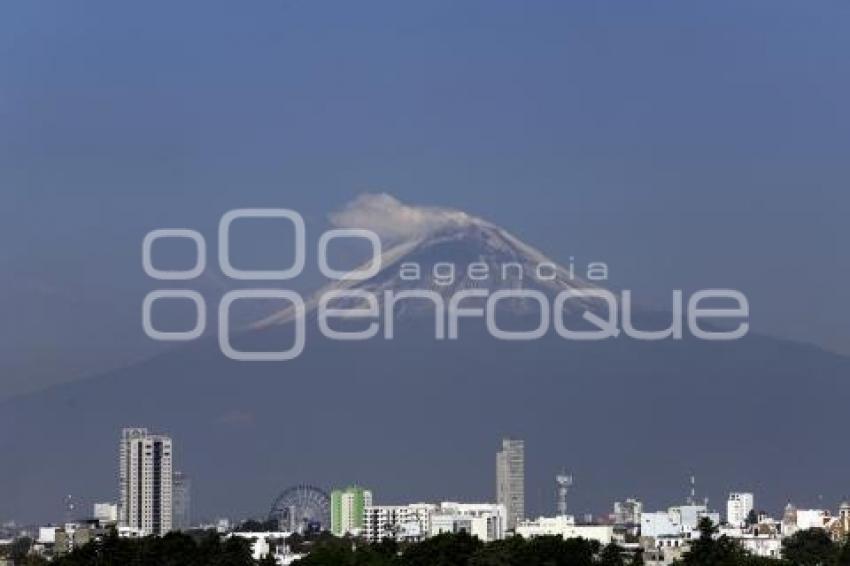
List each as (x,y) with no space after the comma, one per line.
(686,145)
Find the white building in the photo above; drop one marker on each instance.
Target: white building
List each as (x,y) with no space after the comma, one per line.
(47,535)
(269,543)
(416,522)
(789,520)
(410,523)
(738,508)
(105,512)
(765,546)
(451,524)
(510,480)
(146,481)
(689,516)
(658,524)
(812,519)
(565,527)
(486,521)
(682,520)
(130,532)
(628,512)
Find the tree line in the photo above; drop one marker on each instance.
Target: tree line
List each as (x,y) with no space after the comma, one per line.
(806,548)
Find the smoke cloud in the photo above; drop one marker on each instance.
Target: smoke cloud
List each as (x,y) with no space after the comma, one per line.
(393,220)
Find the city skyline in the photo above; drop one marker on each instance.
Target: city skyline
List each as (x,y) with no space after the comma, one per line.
(143,456)
(421,270)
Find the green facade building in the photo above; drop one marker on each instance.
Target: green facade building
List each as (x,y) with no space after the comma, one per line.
(347,507)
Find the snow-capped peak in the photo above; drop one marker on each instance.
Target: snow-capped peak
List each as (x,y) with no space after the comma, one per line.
(449,249)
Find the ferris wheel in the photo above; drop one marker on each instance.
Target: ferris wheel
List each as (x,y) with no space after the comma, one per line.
(302,508)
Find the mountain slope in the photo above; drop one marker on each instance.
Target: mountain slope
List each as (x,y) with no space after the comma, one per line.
(416,418)
(467,254)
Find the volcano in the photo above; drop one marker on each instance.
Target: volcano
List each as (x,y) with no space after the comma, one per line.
(417,418)
(465,253)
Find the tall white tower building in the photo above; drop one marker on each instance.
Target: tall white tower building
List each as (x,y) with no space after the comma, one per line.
(146,481)
(738,507)
(510,480)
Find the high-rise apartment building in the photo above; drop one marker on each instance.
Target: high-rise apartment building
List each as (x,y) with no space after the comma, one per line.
(347,506)
(146,481)
(510,480)
(738,508)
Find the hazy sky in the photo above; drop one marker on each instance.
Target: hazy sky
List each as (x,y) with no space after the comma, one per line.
(687,145)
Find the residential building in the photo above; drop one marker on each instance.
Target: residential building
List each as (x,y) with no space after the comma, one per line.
(404,523)
(146,481)
(738,508)
(347,506)
(72,536)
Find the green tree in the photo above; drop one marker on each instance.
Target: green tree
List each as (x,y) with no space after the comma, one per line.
(442,550)
(18,549)
(611,555)
(811,547)
(843,555)
(752,517)
(174,549)
(329,552)
(254,526)
(710,551)
(508,552)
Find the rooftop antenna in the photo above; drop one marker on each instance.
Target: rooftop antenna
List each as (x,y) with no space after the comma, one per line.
(69,508)
(564,482)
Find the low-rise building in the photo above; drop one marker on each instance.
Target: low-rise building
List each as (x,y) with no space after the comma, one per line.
(658,524)
(628,513)
(105,512)
(812,519)
(416,522)
(485,521)
(407,523)
(664,554)
(565,527)
(765,546)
